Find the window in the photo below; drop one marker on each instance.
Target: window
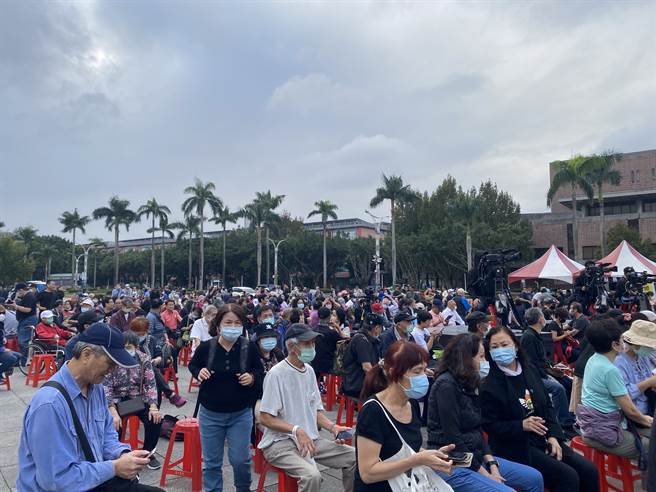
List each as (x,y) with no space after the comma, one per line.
(614,209)
(633,176)
(570,241)
(590,252)
(653,173)
(637,175)
(649,206)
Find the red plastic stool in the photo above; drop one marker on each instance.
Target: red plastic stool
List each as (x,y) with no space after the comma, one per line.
(285,482)
(12,344)
(193,383)
(191,457)
(184,356)
(617,468)
(332,382)
(130,432)
(347,407)
(577,444)
(169,374)
(42,367)
(259,463)
(5,381)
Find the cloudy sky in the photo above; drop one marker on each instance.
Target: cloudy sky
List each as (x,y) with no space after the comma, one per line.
(312,100)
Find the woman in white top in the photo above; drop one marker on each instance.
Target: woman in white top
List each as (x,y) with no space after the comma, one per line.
(200,331)
(422,334)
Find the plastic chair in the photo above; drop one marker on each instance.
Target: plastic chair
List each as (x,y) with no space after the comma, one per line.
(285,482)
(130,432)
(332,382)
(577,444)
(190,464)
(617,468)
(185,355)
(169,374)
(193,383)
(42,368)
(5,382)
(347,408)
(12,344)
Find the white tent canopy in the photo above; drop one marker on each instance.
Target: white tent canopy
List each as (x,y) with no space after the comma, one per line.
(626,255)
(553,265)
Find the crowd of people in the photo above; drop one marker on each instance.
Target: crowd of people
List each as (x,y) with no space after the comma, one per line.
(499,405)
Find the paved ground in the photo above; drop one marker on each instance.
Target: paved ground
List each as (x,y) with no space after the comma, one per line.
(14,402)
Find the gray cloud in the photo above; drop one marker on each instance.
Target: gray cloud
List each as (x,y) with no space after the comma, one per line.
(311,100)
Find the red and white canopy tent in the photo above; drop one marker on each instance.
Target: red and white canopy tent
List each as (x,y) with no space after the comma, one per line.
(553,265)
(626,255)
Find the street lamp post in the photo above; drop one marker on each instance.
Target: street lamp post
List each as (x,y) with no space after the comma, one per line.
(86,264)
(377,258)
(276,245)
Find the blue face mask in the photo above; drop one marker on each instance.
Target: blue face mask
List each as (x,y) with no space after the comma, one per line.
(504,356)
(268,344)
(231,333)
(269,321)
(300,305)
(646,351)
(418,387)
(307,355)
(484,368)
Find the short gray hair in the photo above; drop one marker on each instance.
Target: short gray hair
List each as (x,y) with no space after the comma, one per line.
(291,341)
(80,346)
(532,315)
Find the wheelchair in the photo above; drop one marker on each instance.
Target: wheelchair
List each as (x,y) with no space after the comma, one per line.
(43,346)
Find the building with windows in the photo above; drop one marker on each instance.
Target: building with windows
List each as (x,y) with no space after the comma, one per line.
(632,202)
(348,228)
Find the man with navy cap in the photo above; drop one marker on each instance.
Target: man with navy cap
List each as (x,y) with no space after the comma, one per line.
(68,440)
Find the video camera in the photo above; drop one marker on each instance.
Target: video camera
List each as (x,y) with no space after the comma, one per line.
(636,281)
(491,267)
(596,273)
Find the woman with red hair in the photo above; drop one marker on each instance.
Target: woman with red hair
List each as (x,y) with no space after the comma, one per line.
(388,433)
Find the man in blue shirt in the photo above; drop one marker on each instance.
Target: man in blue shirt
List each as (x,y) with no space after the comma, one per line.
(51,455)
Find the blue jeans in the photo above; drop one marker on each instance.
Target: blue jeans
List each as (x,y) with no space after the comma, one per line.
(560,402)
(215,427)
(8,359)
(24,332)
(518,476)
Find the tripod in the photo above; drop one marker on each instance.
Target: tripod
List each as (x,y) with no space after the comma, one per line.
(503,301)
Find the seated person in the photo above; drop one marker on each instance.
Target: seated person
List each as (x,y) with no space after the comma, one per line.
(561,335)
(49,334)
(326,345)
(423,334)
(606,412)
(636,365)
(361,355)
(291,440)
(8,358)
(403,326)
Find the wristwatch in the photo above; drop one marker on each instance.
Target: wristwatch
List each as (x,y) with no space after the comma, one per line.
(488,464)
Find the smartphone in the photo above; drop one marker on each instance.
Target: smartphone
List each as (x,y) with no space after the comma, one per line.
(151,453)
(346,434)
(460,459)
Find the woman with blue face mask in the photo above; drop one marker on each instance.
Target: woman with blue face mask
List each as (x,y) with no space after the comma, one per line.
(521,422)
(229,369)
(454,417)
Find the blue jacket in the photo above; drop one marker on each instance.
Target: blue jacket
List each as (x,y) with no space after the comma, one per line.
(387,338)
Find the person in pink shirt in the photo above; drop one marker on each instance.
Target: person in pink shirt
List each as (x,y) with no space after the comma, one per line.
(171,319)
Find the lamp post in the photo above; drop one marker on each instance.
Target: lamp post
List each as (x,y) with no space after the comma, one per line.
(377,258)
(86,264)
(276,245)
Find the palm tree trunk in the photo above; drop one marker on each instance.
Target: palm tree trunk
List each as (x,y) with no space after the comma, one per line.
(95,264)
(259,254)
(116,254)
(201,262)
(575,226)
(162,267)
(152,254)
(73,257)
(325,258)
(189,273)
(393,243)
(224,255)
(602,225)
(268,257)
(49,267)
(468,245)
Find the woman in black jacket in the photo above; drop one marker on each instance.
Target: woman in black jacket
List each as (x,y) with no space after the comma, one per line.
(454,416)
(521,422)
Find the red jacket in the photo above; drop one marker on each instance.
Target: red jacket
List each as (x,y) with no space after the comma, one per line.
(47,333)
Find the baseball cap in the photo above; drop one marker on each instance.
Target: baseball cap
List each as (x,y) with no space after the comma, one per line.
(20,286)
(302,332)
(47,314)
(404,316)
(377,307)
(264,330)
(373,319)
(88,318)
(88,301)
(111,341)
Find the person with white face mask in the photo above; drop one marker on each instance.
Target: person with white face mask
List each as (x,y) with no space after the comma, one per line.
(229,370)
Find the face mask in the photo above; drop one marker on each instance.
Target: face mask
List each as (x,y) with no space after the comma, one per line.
(418,387)
(646,351)
(300,305)
(307,355)
(127,310)
(269,321)
(484,368)
(85,309)
(504,356)
(47,321)
(231,333)
(268,344)
(408,329)
(132,352)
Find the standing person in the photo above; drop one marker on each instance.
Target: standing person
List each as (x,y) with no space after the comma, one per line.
(225,366)
(172,319)
(521,422)
(454,417)
(200,331)
(156,327)
(53,454)
(391,418)
(362,354)
(25,307)
(326,344)
(291,439)
(47,297)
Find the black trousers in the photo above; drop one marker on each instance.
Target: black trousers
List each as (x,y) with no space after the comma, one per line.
(121,485)
(151,431)
(162,386)
(573,474)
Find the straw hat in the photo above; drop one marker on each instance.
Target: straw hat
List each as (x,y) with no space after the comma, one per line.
(641,333)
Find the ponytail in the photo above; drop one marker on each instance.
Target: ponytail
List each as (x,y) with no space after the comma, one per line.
(374,382)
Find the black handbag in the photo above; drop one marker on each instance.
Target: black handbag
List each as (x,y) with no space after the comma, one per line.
(132,406)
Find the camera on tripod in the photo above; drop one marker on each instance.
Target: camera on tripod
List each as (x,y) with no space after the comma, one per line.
(596,273)
(636,281)
(491,268)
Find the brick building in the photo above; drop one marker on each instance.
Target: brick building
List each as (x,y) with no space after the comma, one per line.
(632,202)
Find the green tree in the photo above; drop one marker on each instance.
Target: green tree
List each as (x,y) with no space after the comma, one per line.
(600,170)
(571,174)
(15,265)
(224,217)
(117,214)
(166,230)
(46,252)
(189,227)
(397,193)
(202,195)
(153,210)
(72,221)
(28,235)
(326,210)
(622,232)
(97,245)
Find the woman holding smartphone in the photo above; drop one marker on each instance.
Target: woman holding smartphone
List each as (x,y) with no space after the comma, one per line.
(391,410)
(454,416)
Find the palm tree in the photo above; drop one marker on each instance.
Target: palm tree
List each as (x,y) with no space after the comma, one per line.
(188,227)
(72,221)
(96,244)
(155,211)
(326,209)
(466,209)
(202,195)
(26,234)
(117,214)
(600,171)
(396,192)
(260,212)
(571,173)
(223,217)
(47,252)
(166,230)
